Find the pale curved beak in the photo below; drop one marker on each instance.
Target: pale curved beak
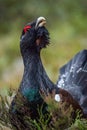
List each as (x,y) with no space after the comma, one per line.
(41,21)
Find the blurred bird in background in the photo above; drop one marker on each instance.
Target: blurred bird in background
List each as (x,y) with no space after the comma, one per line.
(73,78)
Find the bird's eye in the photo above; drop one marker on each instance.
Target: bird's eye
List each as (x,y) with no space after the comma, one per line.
(26,28)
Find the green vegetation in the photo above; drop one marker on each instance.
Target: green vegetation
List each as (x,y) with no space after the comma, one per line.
(67,24)
(61,119)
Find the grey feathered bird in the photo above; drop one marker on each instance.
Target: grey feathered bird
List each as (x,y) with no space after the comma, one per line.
(35,80)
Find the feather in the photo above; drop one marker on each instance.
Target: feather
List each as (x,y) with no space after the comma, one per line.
(73,78)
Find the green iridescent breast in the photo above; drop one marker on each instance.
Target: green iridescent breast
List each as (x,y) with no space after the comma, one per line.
(32,94)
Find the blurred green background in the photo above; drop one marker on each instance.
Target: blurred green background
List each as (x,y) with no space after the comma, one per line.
(66,22)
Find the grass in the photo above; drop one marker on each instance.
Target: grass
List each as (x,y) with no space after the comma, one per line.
(61,119)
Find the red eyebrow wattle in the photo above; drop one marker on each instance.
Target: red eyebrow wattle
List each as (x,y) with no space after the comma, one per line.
(26,28)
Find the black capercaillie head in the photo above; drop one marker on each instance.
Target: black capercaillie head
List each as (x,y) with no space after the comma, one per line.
(35,35)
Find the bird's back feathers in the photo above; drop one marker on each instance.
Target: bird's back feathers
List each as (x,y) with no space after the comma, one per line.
(73,78)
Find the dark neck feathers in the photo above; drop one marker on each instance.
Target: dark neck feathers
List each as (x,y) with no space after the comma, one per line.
(34,73)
